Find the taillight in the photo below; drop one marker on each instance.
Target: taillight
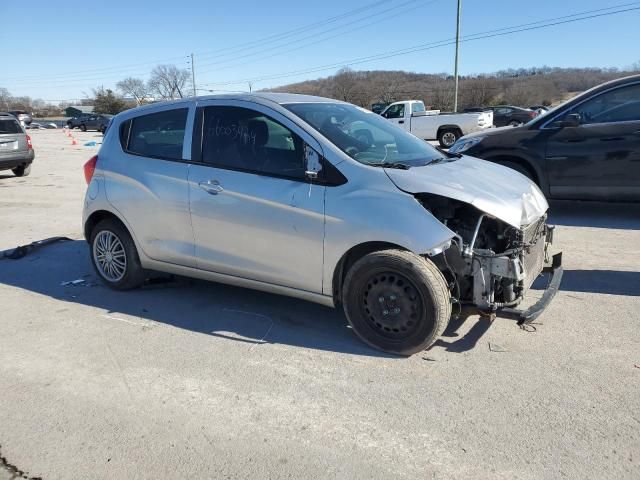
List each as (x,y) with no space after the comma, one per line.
(29,144)
(533,114)
(90,168)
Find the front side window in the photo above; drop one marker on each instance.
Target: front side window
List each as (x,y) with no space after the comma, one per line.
(158,135)
(247,140)
(395,111)
(619,105)
(365,136)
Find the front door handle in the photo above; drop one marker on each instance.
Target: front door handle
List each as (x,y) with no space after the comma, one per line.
(401,121)
(211,186)
(637,132)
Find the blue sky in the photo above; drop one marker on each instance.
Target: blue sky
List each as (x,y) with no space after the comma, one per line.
(64,49)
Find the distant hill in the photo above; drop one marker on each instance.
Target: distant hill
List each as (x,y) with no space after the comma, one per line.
(523,87)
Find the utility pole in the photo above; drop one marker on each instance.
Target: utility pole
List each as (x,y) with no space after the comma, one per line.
(193,76)
(250,86)
(455,74)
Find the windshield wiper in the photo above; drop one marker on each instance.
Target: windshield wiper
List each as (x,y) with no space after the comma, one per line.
(399,166)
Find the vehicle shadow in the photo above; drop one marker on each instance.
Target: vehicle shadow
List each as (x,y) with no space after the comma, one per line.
(609,282)
(469,340)
(236,314)
(624,216)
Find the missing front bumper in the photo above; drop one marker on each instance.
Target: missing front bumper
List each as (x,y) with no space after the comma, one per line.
(534,311)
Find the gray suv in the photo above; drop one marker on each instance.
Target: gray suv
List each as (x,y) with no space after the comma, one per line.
(16,151)
(320,200)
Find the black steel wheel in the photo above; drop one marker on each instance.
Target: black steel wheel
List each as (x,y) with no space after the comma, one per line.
(396,301)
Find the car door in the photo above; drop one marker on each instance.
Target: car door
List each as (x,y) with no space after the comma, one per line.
(396,114)
(599,159)
(254,213)
(146,181)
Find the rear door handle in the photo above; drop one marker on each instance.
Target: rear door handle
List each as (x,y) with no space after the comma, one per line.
(637,132)
(401,121)
(211,186)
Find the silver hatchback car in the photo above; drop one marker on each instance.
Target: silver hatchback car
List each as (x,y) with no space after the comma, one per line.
(320,200)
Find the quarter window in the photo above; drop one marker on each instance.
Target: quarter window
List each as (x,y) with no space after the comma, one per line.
(243,139)
(158,135)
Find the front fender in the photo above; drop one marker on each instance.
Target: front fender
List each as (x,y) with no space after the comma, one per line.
(354,216)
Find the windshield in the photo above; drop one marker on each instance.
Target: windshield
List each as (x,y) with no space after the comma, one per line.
(365,136)
(9,126)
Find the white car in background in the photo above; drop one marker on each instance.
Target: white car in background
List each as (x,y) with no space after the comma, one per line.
(434,125)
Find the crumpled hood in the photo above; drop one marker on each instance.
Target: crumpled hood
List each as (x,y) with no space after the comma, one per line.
(491,188)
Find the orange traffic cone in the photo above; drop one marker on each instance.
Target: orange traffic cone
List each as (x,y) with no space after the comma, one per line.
(69,134)
(73,142)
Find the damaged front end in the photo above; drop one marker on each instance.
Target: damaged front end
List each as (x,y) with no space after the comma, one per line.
(491,264)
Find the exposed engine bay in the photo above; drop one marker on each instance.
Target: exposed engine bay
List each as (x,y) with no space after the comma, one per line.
(490,264)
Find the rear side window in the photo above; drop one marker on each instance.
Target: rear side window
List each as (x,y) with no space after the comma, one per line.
(158,135)
(9,125)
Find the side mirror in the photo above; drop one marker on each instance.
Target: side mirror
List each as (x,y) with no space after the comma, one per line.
(312,163)
(571,120)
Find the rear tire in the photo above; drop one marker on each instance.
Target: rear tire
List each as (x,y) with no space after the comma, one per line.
(22,171)
(448,136)
(83,127)
(515,123)
(396,301)
(114,256)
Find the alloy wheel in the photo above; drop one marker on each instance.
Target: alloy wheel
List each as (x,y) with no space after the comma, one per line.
(109,256)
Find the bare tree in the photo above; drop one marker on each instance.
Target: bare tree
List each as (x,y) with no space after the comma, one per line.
(134,87)
(5,98)
(344,83)
(168,81)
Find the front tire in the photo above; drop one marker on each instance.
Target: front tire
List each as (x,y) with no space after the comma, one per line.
(448,137)
(519,168)
(114,256)
(396,301)
(83,127)
(515,123)
(22,170)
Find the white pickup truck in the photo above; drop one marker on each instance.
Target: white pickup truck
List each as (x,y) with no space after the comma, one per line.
(433,125)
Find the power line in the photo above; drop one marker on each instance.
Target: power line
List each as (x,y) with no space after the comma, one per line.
(239,47)
(289,33)
(315,35)
(441,43)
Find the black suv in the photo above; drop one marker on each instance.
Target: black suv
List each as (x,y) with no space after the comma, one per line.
(90,122)
(587,148)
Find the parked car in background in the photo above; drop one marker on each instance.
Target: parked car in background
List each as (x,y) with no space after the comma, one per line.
(412,116)
(16,151)
(539,109)
(95,122)
(504,115)
(75,122)
(279,192)
(587,148)
(23,117)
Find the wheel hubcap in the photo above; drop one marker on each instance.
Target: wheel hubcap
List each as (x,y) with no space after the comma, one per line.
(392,305)
(448,139)
(109,256)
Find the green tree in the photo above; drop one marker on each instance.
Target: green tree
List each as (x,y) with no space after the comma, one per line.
(108,102)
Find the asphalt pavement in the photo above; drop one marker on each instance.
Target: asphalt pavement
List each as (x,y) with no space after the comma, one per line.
(189,379)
